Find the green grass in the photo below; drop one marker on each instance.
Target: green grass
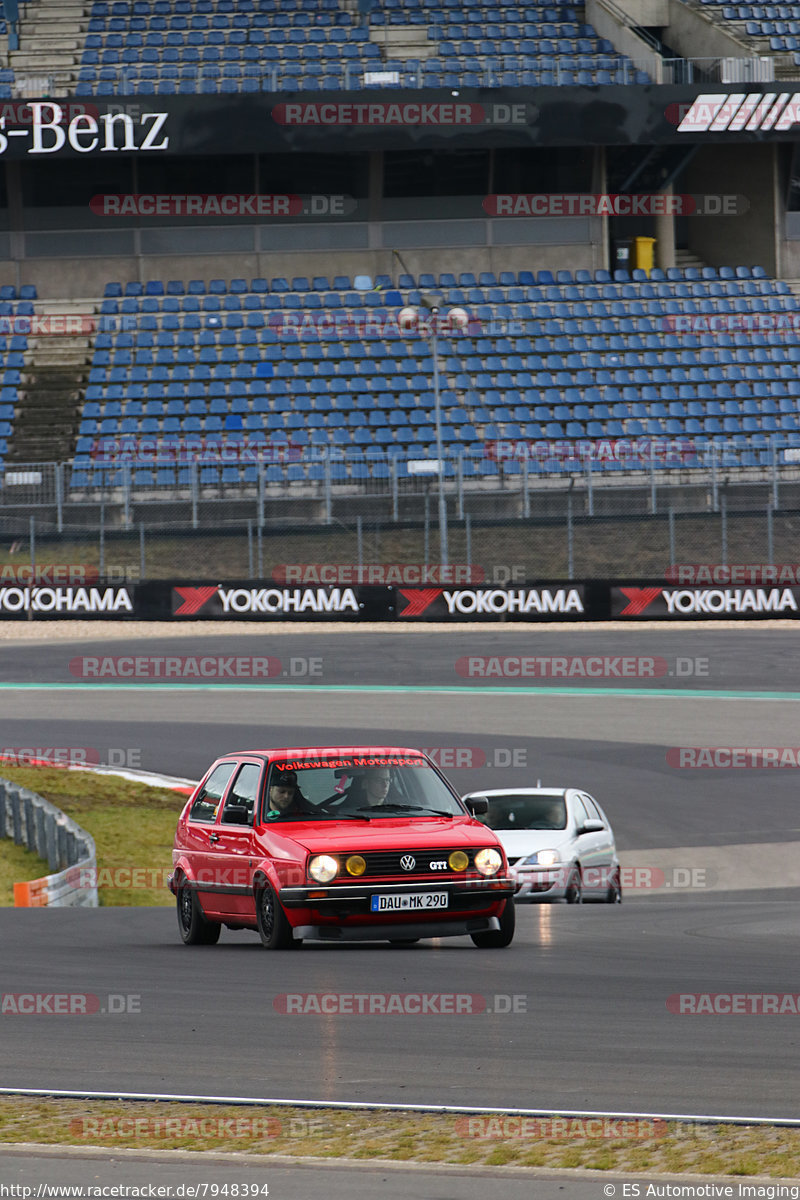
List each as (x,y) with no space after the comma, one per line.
(676,1148)
(133,826)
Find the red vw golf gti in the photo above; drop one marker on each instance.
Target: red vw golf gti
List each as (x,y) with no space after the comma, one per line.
(337,844)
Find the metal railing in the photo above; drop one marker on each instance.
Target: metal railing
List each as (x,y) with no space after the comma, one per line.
(70,851)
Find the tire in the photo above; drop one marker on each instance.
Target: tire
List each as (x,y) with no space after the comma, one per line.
(194,929)
(273,925)
(496,939)
(573,893)
(614,893)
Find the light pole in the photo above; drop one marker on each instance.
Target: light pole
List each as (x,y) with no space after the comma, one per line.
(409,322)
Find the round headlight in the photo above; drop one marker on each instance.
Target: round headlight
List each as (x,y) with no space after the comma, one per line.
(488,861)
(323,868)
(356,865)
(458,861)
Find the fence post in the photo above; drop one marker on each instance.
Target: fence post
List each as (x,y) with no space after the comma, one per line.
(774,466)
(589,486)
(102,545)
(460,486)
(260,551)
(194,485)
(671,519)
(126,493)
(260,493)
(60,497)
(770,535)
(526,491)
(395,489)
(32,524)
(142,564)
(360,540)
(570,547)
(468,540)
(724,524)
(714,479)
(327,485)
(250,549)
(653,496)
(427,527)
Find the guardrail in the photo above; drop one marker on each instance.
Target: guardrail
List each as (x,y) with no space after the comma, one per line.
(69,850)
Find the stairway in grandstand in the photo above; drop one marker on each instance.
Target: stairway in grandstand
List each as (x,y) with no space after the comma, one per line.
(769,29)
(52,33)
(51,391)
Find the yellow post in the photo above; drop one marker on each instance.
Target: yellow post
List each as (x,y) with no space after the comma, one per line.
(644,253)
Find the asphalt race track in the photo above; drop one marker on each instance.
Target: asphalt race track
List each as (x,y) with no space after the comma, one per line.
(591,1030)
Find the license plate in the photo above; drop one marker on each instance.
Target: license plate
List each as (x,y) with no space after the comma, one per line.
(416,901)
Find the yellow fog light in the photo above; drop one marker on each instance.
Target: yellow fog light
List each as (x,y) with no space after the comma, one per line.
(323,868)
(458,861)
(488,861)
(356,865)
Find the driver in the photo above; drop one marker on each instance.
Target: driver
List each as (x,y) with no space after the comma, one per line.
(285,798)
(369,789)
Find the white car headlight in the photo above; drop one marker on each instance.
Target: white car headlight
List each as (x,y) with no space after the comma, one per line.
(323,868)
(488,861)
(543,858)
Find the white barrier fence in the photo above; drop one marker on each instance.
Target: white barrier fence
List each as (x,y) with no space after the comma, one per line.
(35,823)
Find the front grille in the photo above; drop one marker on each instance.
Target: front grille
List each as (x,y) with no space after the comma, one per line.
(387,862)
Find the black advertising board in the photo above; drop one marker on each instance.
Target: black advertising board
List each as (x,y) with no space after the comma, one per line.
(729,603)
(352,122)
(544,602)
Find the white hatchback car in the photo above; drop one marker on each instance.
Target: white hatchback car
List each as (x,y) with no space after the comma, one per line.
(559,844)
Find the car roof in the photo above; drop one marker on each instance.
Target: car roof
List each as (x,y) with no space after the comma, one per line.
(313,752)
(523,791)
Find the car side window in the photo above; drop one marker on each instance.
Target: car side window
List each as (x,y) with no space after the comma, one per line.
(207,800)
(241,802)
(579,812)
(592,810)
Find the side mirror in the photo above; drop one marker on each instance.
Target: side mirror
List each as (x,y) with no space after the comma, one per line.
(591,827)
(477,805)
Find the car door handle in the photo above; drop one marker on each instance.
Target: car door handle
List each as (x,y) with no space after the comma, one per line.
(214,837)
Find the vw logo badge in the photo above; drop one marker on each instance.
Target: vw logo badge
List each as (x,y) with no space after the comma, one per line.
(408,862)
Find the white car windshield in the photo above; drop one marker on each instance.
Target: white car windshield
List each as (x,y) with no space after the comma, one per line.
(518,811)
(362,788)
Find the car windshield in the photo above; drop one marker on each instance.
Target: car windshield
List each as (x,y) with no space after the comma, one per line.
(519,811)
(358,788)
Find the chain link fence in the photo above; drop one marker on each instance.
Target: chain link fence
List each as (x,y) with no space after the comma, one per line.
(521,525)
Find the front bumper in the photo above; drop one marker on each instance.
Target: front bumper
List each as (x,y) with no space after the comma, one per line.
(396,932)
(462,894)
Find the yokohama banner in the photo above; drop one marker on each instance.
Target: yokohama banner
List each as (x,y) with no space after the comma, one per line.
(567,602)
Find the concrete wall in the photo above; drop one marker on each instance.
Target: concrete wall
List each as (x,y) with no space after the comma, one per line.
(750,239)
(650,13)
(625,40)
(502,245)
(692,34)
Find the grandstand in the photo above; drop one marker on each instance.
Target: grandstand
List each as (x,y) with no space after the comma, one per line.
(283,336)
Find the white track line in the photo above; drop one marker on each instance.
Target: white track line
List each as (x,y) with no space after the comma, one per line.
(369,1106)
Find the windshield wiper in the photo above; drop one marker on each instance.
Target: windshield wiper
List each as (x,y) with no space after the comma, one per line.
(410,808)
